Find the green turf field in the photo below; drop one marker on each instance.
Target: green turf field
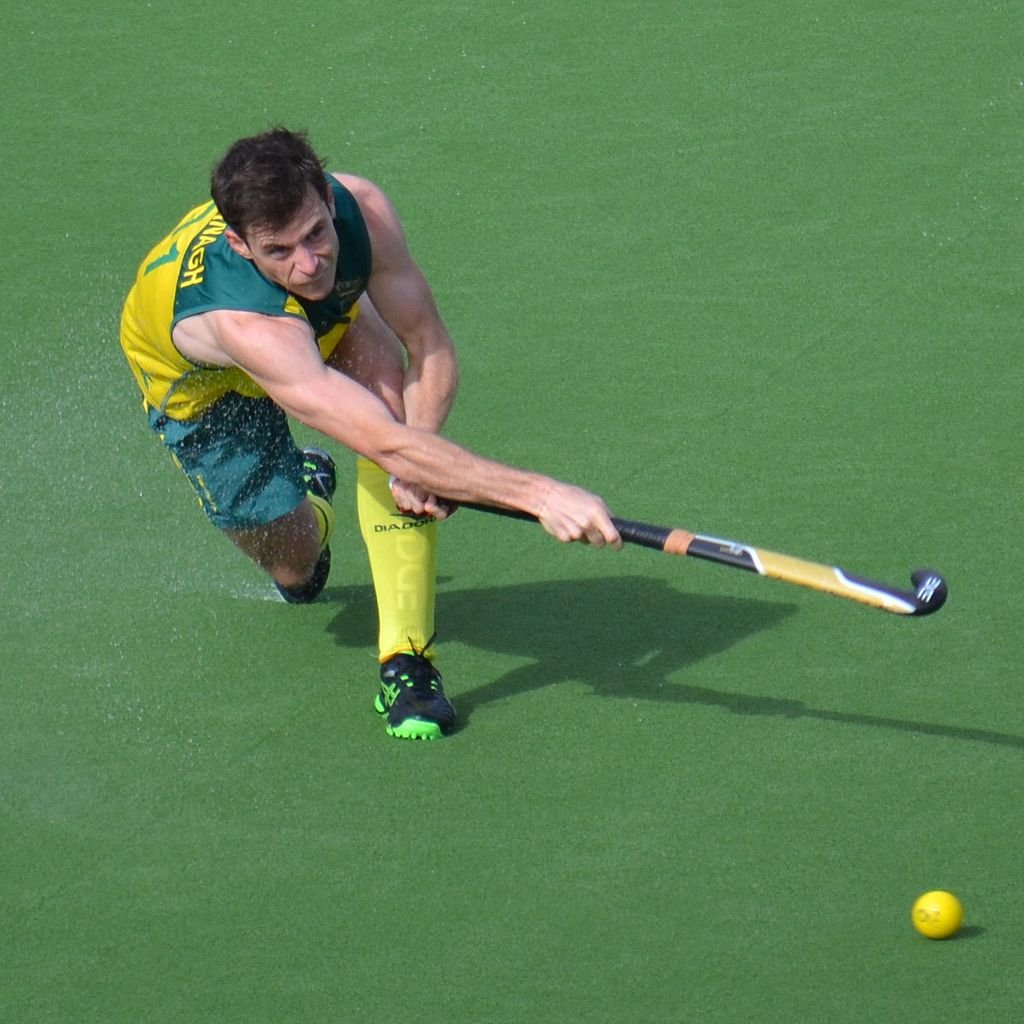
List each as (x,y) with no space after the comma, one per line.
(750,269)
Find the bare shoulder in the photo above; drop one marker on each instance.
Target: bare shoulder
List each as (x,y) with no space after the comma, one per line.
(376,207)
(219,336)
(361,188)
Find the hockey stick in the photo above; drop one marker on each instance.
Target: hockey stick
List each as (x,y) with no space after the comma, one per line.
(929,593)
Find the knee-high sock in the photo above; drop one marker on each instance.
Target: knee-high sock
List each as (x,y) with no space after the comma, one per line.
(324,518)
(403,563)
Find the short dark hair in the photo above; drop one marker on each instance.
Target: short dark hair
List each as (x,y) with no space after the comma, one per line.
(263,180)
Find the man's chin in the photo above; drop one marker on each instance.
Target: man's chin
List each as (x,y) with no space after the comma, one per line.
(313,292)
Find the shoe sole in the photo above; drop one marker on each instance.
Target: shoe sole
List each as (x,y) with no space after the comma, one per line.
(411,728)
(415,729)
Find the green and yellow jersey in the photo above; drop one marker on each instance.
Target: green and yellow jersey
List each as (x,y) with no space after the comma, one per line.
(194,270)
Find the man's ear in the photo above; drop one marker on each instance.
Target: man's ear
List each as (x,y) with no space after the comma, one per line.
(237,243)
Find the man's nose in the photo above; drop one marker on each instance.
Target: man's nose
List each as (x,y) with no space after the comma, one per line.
(306,260)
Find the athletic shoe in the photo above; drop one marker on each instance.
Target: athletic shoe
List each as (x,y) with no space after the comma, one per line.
(321,477)
(412,698)
(309,591)
(319,472)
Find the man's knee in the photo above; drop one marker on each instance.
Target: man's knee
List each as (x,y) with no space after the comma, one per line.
(289,549)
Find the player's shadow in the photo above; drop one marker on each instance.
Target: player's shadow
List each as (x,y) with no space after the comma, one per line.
(622,636)
(627,637)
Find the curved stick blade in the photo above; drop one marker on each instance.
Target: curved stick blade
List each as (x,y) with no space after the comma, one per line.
(928,596)
(930,590)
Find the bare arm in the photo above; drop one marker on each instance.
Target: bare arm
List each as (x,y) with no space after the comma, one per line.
(404,299)
(280,354)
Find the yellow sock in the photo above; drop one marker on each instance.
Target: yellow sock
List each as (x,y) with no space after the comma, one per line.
(324,518)
(403,563)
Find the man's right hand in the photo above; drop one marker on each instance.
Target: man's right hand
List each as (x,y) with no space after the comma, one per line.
(570,513)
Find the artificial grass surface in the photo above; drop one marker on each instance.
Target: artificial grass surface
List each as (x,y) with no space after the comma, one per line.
(745,271)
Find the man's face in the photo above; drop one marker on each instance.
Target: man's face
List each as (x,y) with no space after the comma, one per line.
(302,256)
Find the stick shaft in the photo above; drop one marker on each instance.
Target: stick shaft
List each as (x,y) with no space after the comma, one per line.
(829,579)
(645,535)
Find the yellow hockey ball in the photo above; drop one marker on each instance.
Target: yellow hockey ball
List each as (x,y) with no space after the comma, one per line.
(937,914)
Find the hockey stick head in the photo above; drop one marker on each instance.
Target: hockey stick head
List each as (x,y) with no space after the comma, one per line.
(930,591)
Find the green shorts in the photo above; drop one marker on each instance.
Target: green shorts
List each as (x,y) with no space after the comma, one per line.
(240,458)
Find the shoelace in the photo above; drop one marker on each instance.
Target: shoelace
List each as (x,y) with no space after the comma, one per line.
(423,673)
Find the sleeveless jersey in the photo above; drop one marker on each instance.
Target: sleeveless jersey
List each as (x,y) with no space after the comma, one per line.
(194,270)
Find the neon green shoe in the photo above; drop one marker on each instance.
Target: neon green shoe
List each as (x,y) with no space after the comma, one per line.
(412,698)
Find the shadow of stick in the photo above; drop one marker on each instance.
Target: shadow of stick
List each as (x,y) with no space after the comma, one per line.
(624,636)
